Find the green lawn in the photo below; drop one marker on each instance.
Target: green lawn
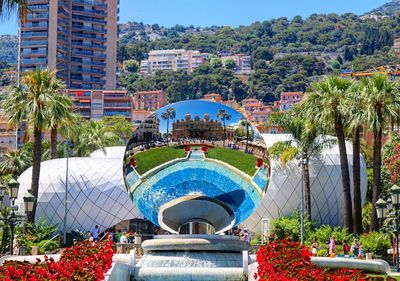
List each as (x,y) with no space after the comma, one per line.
(238,159)
(154,157)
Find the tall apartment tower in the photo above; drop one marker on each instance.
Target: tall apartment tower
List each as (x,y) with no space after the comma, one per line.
(76,37)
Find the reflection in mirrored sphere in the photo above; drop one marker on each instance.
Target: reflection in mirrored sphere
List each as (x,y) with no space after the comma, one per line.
(196,163)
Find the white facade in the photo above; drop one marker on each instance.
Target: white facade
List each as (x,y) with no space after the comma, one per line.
(96,191)
(284,190)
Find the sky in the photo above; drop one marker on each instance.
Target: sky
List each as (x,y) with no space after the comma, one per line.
(223,12)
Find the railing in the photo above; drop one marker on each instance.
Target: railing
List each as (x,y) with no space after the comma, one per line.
(89,45)
(89,11)
(95,29)
(78,17)
(90,2)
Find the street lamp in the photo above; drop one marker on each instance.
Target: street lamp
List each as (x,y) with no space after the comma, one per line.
(14,219)
(394,202)
(380,206)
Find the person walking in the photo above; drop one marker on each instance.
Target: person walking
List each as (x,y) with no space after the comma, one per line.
(355,248)
(15,246)
(360,252)
(314,249)
(346,248)
(332,247)
(96,233)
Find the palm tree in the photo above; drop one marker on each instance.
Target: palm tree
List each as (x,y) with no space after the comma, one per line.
(62,115)
(305,144)
(324,105)
(355,120)
(94,135)
(8,7)
(168,114)
(247,124)
(30,102)
(15,162)
(224,115)
(382,106)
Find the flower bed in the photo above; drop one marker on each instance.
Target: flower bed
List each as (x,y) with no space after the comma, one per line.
(285,260)
(83,261)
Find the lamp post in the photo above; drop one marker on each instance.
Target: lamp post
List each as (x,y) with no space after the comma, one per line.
(381,207)
(13,219)
(301,164)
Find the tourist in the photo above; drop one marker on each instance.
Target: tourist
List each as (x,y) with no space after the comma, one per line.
(346,248)
(332,246)
(314,249)
(96,233)
(15,246)
(360,252)
(246,235)
(355,248)
(90,238)
(118,236)
(124,239)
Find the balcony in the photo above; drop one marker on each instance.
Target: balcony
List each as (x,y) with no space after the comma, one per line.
(33,43)
(88,45)
(114,113)
(88,53)
(126,105)
(89,36)
(85,19)
(34,53)
(88,70)
(89,11)
(34,34)
(90,29)
(88,80)
(34,61)
(90,2)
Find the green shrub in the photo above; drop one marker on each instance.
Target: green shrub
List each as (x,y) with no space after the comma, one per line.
(366,216)
(376,243)
(290,227)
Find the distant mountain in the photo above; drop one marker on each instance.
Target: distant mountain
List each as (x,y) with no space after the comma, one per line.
(8,48)
(388,9)
(137,31)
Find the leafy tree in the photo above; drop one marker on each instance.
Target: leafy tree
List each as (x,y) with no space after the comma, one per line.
(263,53)
(382,107)
(94,135)
(170,113)
(61,117)
(15,162)
(224,116)
(120,127)
(305,144)
(30,103)
(247,124)
(8,7)
(230,64)
(324,105)
(132,66)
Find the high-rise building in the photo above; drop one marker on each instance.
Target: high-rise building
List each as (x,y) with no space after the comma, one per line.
(76,37)
(171,60)
(149,100)
(96,104)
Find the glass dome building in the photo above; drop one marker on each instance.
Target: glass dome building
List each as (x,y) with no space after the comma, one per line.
(196,162)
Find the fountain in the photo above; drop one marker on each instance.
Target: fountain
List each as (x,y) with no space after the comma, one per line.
(202,178)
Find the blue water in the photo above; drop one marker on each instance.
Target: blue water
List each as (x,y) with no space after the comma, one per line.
(196,177)
(196,155)
(261,177)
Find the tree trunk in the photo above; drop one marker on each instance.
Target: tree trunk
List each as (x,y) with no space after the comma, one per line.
(344,167)
(247,138)
(167,132)
(53,142)
(376,184)
(307,189)
(224,133)
(357,211)
(37,158)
